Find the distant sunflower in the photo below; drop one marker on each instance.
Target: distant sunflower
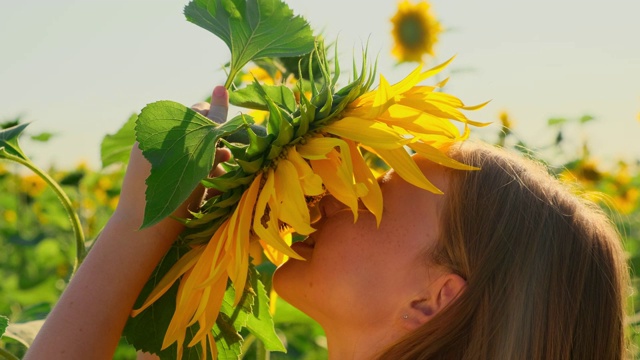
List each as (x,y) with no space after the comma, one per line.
(415,31)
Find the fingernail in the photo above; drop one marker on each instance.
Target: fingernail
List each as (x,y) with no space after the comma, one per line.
(219,91)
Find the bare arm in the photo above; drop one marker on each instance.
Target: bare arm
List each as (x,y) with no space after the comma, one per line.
(88,320)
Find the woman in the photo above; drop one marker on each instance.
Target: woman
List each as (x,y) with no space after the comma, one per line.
(506,265)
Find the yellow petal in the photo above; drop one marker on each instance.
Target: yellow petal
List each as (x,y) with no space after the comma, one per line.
(318,147)
(439,157)
(293,206)
(266,227)
(276,257)
(337,181)
(201,307)
(183,264)
(255,252)
(310,181)
(212,309)
(368,132)
(409,82)
(219,257)
(240,222)
(439,109)
(476,107)
(436,69)
(383,99)
(212,346)
(403,164)
(373,199)
(178,324)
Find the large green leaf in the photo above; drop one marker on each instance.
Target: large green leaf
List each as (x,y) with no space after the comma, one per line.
(253,29)
(9,142)
(116,148)
(180,145)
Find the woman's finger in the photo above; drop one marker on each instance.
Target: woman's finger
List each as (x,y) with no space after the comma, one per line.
(219,105)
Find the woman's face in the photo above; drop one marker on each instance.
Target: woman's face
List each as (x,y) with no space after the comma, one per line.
(359,274)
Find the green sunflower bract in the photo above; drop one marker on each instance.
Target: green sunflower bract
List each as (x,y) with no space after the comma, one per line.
(308,148)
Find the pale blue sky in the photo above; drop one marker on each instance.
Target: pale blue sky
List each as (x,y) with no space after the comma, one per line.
(80,68)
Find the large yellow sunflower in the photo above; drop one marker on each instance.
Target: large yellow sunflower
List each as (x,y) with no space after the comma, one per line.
(326,157)
(415,31)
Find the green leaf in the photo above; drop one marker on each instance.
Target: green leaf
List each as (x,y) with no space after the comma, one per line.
(24,333)
(42,137)
(228,181)
(180,145)
(252,29)
(73,178)
(250,167)
(4,322)
(556,121)
(228,341)
(586,118)
(260,323)
(9,146)
(250,97)
(117,147)
(258,142)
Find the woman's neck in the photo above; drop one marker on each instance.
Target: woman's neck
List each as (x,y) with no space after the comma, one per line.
(357,344)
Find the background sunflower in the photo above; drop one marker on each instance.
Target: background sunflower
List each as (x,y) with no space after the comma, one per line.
(415,31)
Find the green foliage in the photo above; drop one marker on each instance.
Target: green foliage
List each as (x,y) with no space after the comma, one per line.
(180,145)
(9,147)
(42,137)
(4,322)
(251,97)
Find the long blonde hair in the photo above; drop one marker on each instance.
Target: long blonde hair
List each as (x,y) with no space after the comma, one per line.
(546,274)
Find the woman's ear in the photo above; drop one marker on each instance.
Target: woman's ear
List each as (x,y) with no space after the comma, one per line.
(439,294)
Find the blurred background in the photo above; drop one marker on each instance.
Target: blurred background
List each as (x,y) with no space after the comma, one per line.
(78,69)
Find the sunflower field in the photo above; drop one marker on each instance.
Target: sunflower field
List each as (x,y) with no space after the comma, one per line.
(300,117)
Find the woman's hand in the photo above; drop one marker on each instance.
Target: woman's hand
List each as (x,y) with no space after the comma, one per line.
(87,321)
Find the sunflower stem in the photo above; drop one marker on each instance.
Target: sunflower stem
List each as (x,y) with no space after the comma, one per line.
(66,203)
(232,75)
(261,352)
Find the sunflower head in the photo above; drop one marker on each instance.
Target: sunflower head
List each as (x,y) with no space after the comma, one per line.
(415,31)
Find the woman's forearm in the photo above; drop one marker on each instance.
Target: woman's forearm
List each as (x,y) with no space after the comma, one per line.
(88,319)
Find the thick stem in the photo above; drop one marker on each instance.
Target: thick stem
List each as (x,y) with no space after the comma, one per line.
(66,203)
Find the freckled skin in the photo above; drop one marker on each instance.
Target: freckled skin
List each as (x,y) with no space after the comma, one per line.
(357,274)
